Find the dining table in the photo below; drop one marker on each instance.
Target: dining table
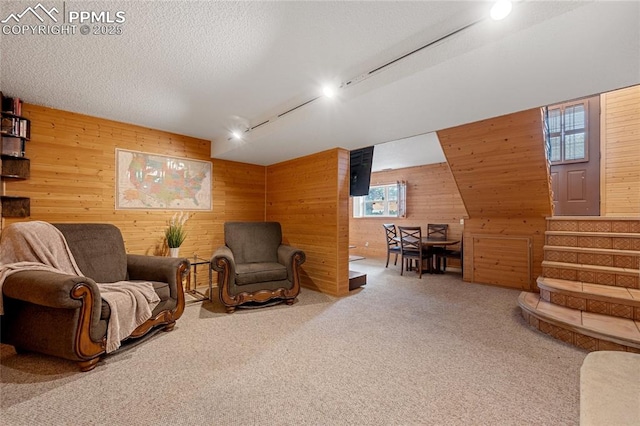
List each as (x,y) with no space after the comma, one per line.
(434,266)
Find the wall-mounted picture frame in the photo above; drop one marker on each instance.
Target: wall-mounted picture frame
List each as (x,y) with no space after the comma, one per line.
(147,181)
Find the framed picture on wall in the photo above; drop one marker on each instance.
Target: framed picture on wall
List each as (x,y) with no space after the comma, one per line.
(151,181)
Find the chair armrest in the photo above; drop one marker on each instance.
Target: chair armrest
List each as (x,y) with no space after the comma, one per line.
(224,263)
(78,294)
(221,255)
(157,268)
(46,288)
(286,256)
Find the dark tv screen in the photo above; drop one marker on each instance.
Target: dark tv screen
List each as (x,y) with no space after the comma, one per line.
(361,161)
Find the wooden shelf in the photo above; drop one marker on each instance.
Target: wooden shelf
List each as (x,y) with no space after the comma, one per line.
(15,168)
(15,206)
(19,127)
(15,130)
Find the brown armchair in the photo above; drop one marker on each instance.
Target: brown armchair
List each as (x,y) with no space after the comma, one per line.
(65,316)
(254,267)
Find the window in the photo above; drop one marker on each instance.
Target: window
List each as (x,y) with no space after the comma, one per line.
(382,201)
(567,133)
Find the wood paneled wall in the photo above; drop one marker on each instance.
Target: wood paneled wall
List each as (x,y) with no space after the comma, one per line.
(432,197)
(500,168)
(309,197)
(73,180)
(620,152)
(488,261)
(509,264)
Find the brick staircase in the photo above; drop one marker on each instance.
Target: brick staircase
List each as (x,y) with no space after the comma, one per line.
(590,284)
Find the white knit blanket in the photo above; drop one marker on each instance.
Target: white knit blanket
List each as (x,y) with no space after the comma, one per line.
(41,246)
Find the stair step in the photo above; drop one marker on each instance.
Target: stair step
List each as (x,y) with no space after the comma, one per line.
(592,268)
(586,330)
(594,218)
(598,240)
(601,299)
(595,234)
(629,259)
(591,250)
(606,275)
(594,224)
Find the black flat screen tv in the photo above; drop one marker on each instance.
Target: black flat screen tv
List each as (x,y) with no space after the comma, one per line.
(361,161)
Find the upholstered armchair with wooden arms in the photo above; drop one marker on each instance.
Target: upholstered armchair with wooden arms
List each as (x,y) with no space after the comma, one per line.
(65,315)
(254,266)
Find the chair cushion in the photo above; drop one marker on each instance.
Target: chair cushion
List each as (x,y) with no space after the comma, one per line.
(259,272)
(416,254)
(162,290)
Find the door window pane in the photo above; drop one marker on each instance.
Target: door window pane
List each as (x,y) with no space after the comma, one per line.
(554,149)
(574,117)
(574,146)
(555,120)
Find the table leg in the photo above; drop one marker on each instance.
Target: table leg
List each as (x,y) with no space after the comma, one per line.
(195,277)
(210,285)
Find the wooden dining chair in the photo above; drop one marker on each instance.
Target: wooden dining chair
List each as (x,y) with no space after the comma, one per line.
(393,246)
(411,248)
(438,232)
(452,254)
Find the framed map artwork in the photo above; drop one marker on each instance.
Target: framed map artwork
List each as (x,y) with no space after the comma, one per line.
(150,181)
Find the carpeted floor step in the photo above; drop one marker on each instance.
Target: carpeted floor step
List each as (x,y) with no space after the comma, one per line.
(596,298)
(587,330)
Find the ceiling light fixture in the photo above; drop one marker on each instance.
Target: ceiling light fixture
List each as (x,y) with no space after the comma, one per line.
(328,92)
(236,134)
(500,10)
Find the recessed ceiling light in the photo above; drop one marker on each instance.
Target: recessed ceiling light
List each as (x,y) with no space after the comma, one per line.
(236,134)
(500,10)
(328,91)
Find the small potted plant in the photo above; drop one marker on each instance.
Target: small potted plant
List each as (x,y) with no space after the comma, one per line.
(175,233)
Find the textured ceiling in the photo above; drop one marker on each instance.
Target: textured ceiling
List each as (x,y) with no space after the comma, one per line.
(203,68)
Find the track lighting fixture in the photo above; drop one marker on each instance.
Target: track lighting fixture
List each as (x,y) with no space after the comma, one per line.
(500,10)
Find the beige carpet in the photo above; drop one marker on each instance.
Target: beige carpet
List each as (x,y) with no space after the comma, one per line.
(610,389)
(398,351)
